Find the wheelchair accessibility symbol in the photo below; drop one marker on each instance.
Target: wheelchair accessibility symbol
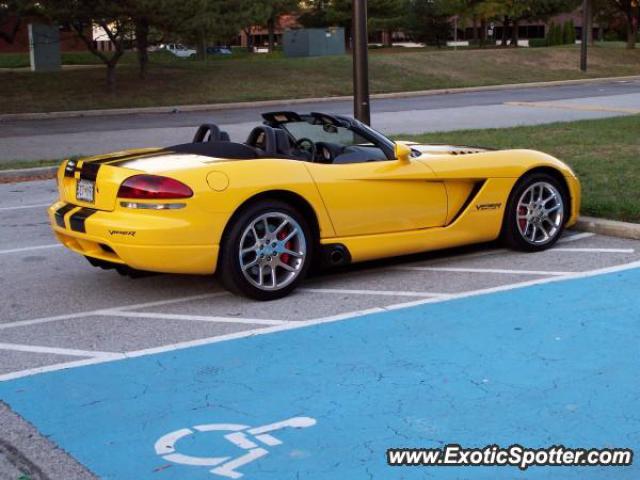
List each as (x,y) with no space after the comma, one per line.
(251,439)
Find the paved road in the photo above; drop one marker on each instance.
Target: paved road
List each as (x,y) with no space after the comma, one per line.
(57,138)
(59,313)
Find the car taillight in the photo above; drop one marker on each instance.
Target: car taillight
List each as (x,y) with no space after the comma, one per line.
(153,187)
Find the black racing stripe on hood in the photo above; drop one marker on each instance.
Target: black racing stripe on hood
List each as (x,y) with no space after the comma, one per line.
(77,220)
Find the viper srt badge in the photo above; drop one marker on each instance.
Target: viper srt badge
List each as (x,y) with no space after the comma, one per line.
(126,233)
(488,206)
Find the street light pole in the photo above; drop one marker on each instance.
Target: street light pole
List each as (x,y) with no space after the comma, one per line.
(360,62)
(585,35)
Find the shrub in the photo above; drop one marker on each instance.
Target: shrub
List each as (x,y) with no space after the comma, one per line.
(551,34)
(555,35)
(538,42)
(568,33)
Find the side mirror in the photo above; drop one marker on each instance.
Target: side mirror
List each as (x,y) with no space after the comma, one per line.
(402,151)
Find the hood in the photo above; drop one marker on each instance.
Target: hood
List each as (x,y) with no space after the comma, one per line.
(436,149)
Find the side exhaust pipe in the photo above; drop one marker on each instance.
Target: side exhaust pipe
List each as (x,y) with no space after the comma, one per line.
(335,255)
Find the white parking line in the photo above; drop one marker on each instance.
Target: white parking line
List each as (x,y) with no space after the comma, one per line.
(21,207)
(484,270)
(595,250)
(89,313)
(390,293)
(304,324)
(169,301)
(27,249)
(196,318)
(576,236)
(496,251)
(59,351)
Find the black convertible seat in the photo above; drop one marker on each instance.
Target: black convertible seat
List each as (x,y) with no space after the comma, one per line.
(263,139)
(210,132)
(283,142)
(221,149)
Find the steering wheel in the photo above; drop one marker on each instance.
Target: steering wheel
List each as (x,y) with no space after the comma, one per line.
(306,145)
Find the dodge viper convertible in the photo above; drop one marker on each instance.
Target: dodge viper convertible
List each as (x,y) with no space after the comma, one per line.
(303,189)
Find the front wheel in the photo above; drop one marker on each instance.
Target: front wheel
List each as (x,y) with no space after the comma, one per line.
(267,251)
(535,214)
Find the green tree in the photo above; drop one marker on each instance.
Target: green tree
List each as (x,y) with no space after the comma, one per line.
(387,16)
(11,13)
(201,22)
(477,11)
(250,14)
(111,16)
(274,9)
(514,12)
(428,21)
(148,16)
(630,9)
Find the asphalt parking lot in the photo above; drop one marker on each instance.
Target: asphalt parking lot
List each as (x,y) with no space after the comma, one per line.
(59,309)
(58,312)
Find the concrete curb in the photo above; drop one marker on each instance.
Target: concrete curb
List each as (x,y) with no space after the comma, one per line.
(612,228)
(284,102)
(26,174)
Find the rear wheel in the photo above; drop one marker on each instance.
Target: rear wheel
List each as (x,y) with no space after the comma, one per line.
(266,252)
(536,213)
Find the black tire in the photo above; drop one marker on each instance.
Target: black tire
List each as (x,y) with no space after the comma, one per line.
(230,271)
(512,235)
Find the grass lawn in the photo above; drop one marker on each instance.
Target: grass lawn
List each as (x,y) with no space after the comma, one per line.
(243,77)
(11,164)
(605,154)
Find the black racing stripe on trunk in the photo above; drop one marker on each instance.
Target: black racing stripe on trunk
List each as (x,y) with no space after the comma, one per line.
(89,171)
(61,212)
(119,161)
(76,221)
(115,159)
(124,156)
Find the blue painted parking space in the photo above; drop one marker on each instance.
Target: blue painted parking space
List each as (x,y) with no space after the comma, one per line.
(548,364)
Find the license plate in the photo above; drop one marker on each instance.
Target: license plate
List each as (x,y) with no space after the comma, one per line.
(85,191)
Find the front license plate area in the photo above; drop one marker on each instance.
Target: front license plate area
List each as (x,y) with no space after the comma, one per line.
(85,191)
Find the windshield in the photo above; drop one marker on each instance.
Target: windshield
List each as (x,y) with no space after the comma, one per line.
(324,133)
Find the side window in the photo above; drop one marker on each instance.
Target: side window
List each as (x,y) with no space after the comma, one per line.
(337,144)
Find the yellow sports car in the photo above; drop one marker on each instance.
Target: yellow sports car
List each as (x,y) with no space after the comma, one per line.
(303,189)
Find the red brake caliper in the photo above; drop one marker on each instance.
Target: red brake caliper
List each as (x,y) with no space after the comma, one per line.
(522,221)
(282,234)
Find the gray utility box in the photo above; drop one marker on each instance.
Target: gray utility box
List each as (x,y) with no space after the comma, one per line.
(44,47)
(314,42)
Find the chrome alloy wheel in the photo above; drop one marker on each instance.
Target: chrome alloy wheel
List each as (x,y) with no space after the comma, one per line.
(272,251)
(540,213)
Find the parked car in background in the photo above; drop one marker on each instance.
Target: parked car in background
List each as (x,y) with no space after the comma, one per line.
(178,50)
(219,51)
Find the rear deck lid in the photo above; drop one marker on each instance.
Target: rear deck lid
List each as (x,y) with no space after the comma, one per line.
(94,182)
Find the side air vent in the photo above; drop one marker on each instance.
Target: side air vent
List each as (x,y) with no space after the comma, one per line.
(472,194)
